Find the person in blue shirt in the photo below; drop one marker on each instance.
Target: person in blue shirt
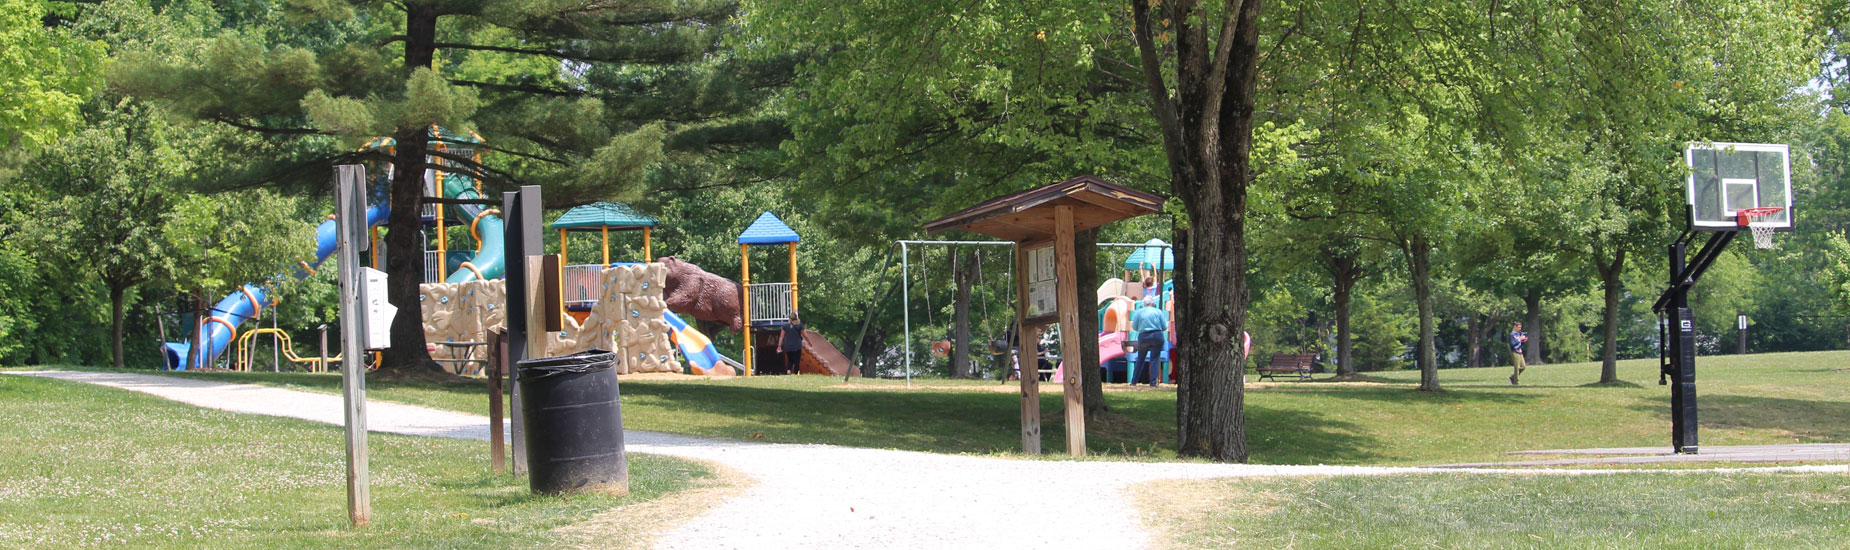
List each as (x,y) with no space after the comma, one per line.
(1150,323)
(1517,339)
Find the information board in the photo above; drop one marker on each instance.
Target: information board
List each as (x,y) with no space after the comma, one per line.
(1042,283)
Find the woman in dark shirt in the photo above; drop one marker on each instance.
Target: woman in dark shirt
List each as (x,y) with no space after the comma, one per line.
(790,344)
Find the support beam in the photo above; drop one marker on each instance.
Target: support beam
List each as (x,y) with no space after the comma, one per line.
(745,303)
(1067,298)
(793,278)
(1027,359)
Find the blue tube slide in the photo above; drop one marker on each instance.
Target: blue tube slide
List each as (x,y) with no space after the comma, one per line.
(490,256)
(249,300)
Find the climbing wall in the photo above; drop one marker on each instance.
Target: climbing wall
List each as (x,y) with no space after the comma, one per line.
(627,317)
(462,312)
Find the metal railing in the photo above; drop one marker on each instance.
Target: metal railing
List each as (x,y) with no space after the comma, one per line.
(433,266)
(432,188)
(584,284)
(770,302)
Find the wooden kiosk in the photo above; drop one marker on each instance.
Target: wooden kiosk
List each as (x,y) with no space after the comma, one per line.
(1041,222)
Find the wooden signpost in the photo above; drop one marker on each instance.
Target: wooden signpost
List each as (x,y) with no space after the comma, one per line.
(1037,220)
(350,197)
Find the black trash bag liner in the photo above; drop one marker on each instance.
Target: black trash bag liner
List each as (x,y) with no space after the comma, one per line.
(591,360)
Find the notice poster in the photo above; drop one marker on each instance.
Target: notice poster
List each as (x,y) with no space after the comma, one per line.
(1042,282)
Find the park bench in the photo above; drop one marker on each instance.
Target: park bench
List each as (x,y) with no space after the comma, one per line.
(1288,363)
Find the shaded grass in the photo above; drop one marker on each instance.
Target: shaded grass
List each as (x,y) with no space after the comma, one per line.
(86,465)
(1663,510)
(1378,418)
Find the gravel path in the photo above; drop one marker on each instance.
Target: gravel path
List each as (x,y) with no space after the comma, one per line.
(823,496)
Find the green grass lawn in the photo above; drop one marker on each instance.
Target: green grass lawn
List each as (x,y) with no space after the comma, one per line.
(1752,399)
(84,465)
(1661,510)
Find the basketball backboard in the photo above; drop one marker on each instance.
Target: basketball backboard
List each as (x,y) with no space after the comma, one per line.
(1726,177)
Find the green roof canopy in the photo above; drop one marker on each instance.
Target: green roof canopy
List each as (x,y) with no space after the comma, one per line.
(614,215)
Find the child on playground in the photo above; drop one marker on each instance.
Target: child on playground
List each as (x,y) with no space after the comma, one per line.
(1517,339)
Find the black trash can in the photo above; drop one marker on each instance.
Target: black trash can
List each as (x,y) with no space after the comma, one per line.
(574,425)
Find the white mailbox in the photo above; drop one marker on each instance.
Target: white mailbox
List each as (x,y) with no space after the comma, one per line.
(379,311)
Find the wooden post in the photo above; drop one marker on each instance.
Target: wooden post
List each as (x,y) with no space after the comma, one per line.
(497,363)
(536,307)
(350,191)
(324,350)
(1028,358)
(793,278)
(647,254)
(1067,296)
(606,234)
(745,302)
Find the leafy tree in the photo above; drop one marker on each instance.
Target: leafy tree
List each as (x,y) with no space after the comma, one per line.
(109,192)
(46,73)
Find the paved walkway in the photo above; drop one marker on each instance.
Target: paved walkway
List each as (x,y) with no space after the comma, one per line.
(822,496)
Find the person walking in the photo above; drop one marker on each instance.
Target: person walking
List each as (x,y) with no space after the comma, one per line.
(1150,323)
(790,345)
(1517,339)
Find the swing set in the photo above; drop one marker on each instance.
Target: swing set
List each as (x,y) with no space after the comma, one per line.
(982,294)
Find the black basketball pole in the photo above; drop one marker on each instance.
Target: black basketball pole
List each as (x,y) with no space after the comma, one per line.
(1677,356)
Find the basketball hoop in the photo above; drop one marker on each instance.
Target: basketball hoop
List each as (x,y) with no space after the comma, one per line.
(1763,234)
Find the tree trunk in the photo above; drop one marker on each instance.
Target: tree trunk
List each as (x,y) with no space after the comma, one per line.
(1092,383)
(1609,279)
(869,350)
(1217,313)
(1532,324)
(404,252)
(1207,125)
(196,353)
(963,276)
(1345,274)
(1180,243)
(116,293)
(1474,341)
(1419,264)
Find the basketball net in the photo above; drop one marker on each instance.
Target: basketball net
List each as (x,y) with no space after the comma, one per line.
(1763,235)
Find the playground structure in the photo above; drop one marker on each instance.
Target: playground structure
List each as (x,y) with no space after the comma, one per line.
(769,307)
(628,316)
(459,315)
(242,361)
(601,217)
(218,330)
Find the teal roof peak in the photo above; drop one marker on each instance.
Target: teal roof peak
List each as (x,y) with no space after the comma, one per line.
(614,215)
